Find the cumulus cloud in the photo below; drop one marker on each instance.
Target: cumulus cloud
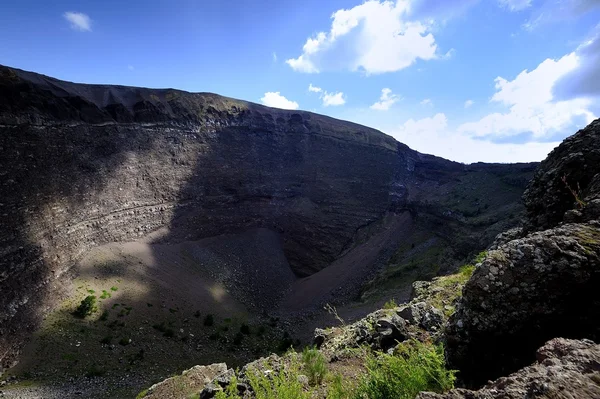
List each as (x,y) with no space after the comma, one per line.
(386,100)
(333,99)
(584,80)
(531,106)
(534,119)
(433,136)
(329,99)
(276,100)
(314,89)
(375,37)
(78,21)
(515,5)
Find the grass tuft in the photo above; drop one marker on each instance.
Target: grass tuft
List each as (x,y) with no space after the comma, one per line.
(414,367)
(315,365)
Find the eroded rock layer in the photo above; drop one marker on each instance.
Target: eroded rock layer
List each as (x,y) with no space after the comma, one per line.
(84,165)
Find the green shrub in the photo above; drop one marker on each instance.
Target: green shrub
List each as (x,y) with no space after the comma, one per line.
(415,367)
(209,320)
(105,295)
(86,308)
(113,288)
(315,365)
(391,304)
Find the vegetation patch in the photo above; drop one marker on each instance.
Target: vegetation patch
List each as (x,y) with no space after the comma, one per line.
(86,308)
(414,367)
(315,365)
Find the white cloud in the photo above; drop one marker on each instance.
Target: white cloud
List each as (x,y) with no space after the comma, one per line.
(314,89)
(276,100)
(532,123)
(386,100)
(531,105)
(333,99)
(78,21)
(468,103)
(515,5)
(433,136)
(329,99)
(427,101)
(449,54)
(274,56)
(376,37)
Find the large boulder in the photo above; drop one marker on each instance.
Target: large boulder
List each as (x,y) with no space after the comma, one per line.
(565,369)
(571,170)
(524,293)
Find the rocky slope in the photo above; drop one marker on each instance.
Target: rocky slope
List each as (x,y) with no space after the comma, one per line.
(564,369)
(541,285)
(84,165)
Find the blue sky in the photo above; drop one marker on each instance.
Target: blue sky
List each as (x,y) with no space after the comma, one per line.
(469,80)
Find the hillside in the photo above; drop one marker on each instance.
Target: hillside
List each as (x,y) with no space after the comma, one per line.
(197,203)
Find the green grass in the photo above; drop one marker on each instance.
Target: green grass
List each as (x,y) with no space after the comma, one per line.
(339,389)
(113,288)
(391,304)
(142,394)
(314,365)
(413,368)
(105,295)
(282,385)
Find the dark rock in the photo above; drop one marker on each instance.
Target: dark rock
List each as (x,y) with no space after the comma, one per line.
(577,159)
(432,320)
(389,331)
(210,390)
(565,369)
(413,313)
(524,293)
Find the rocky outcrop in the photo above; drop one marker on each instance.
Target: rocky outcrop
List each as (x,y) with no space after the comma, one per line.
(383,329)
(524,293)
(565,369)
(189,382)
(571,170)
(531,288)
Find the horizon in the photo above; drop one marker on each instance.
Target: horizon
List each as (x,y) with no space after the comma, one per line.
(499,81)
